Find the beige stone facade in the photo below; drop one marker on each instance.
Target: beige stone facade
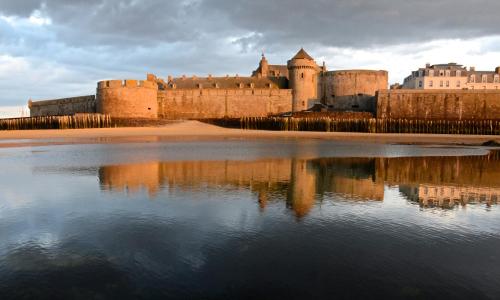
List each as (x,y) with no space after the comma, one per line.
(452,76)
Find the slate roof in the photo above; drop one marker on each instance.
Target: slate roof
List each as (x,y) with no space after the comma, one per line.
(302,54)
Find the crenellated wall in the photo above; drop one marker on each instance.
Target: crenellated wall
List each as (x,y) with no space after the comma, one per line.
(128,98)
(64,106)
(218,103)
(439,104)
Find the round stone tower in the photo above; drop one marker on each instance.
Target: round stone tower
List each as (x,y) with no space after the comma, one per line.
(128,98)
(303,77)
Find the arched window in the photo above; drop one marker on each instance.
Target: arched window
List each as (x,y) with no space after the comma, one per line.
(301,75)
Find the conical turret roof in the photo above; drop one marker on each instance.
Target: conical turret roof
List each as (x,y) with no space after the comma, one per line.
(302,54)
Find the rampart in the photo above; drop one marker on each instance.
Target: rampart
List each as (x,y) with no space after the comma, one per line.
(219,103)
(128,98)
(352,89)
(64,106)
(439,104)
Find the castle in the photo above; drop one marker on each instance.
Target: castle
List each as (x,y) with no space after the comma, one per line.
(294,87)
(271,89)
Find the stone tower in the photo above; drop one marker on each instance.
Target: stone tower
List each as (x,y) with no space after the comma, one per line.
(264,66)
(303,77)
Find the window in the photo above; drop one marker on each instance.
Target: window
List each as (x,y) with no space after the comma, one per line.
(431,83)
(447,83)
(431,73)
(473,78)
(448,73)
(441,73)
(497,79)
(420,83)
(301,75)
(458,83)
(420,73)
(459,73)
(441,83)
(484,78)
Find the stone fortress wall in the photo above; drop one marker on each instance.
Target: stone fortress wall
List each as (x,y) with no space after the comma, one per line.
(438,104)
(271,90)
(64,106)
(352,89)
(219,103)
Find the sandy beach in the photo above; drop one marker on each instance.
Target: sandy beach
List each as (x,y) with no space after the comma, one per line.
(198,130)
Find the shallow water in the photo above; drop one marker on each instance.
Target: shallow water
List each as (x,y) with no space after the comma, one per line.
(249,219)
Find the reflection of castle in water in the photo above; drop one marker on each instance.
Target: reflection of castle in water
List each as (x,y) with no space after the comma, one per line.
(449,196)
(301,182)
(445,181)
(437,181)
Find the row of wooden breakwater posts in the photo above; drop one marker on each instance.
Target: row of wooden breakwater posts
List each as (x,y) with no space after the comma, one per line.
(77,121)
(368,125)
(325,124)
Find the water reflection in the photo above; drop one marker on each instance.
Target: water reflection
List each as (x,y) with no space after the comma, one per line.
(300,183)
(75,223)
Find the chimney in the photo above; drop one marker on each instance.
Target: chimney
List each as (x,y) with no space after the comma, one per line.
(169,79)
(472,69)
(427,65)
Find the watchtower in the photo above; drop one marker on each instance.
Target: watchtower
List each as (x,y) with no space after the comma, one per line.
(303,77)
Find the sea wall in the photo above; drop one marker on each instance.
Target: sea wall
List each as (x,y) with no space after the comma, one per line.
(219,103)
(442,104)
(352,90)
(63,106)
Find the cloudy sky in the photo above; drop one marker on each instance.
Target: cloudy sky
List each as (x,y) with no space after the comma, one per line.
(59,48)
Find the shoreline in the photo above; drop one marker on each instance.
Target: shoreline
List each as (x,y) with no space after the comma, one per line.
(195,130)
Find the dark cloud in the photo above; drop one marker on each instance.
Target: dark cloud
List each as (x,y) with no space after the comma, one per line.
(360,22)
(102,39)
(19,8)
(331,23)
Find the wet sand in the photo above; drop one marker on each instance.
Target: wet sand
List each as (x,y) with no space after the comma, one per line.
(198,130)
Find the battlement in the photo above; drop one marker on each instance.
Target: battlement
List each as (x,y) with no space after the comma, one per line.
(127,83)
(354,71)
(229,91)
